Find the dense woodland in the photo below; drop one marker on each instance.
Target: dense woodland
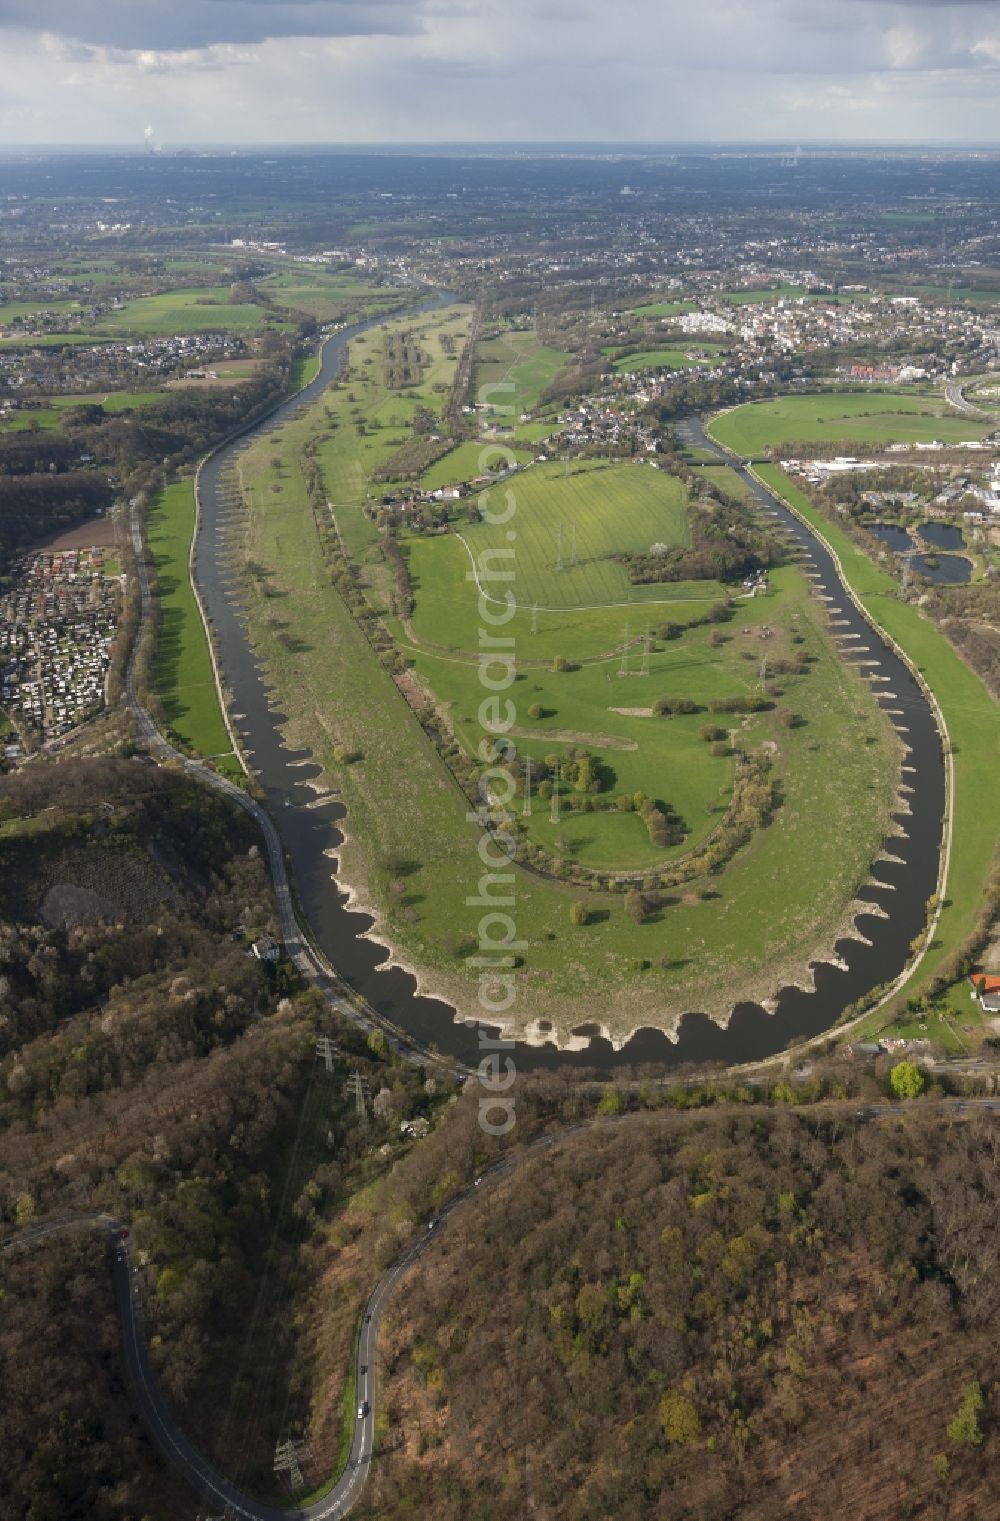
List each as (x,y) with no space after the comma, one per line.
(713,1317)
(151,1068)
(131,1047)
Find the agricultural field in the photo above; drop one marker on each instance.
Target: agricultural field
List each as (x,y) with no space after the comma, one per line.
(664,309)
(205,309)
(15,311)
(779,900)
(516,358)
(569,528)
(182,673)
(330,295)
(870,417)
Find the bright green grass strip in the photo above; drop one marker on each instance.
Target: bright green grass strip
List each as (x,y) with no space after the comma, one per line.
(303,372)
(182,670)
(969,712)
(869,417)
(659,359)
(467,462)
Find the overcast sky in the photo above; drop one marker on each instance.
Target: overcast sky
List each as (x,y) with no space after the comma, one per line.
(252,71)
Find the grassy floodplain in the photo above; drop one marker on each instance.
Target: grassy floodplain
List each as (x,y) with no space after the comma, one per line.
(329,295)
(182,673)
(969,712)
(864,417)
(782,900)
(207,309)
(516,358)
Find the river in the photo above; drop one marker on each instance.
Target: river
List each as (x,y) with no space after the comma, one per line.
(310,833)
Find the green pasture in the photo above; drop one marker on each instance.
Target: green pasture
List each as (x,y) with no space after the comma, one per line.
(515,358)
(660,359)
(468,462)
(571,524)
(869,417)
(664,308)
(182,670)
(50,414)
(329,295)
(182,311)
(412,851)
(16,311)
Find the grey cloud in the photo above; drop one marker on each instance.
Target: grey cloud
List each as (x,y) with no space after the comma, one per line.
(184,24)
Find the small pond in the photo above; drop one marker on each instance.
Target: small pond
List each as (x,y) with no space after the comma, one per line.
(890,533)
(945,570)
(942,535)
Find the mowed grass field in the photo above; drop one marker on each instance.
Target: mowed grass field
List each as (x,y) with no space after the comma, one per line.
(182,311)
(468,462)
(664,308)
(329,295)
(661,359)
(971,714)
(14,311)
(182,668)
(515,358)
(871,417)
(583,609)
(571,524)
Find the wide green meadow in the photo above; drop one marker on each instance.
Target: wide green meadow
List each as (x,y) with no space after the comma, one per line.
(843,417)
(182,670)
(516,359)
(50,413)
(661,359)
(208,309)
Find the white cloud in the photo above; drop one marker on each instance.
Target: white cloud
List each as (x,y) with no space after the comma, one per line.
(241,70)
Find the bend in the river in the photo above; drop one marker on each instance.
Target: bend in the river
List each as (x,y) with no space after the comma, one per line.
(899,891)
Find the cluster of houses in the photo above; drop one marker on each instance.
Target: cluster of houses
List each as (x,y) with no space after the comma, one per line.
(57,628)
(601,422)
(51,371)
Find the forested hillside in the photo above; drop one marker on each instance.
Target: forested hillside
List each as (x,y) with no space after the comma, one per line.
(134,1061)
(706,1318)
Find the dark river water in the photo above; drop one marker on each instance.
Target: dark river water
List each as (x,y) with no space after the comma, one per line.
(310,833)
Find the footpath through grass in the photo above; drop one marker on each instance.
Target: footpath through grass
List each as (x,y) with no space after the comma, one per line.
(182,669)
(969,712)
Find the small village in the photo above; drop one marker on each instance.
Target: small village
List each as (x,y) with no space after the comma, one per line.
(58,621)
